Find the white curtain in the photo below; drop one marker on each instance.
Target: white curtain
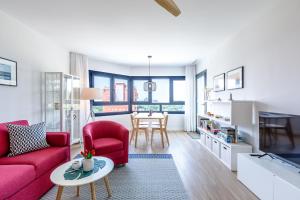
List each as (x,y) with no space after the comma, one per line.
(79,67)
(190,101)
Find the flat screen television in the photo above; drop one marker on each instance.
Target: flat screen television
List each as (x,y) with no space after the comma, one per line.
(279,135)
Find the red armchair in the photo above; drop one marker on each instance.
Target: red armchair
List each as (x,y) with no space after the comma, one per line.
(109,139)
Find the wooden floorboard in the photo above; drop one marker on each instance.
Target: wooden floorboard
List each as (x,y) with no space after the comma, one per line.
(204,176)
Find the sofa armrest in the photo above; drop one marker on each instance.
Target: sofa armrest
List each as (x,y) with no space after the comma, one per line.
(123,134)
(58,139)
(88,140)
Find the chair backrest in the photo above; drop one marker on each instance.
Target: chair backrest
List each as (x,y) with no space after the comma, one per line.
(133,121)
(166,117)
(102,129)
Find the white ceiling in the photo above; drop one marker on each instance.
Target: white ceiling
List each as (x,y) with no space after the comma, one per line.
(126,31)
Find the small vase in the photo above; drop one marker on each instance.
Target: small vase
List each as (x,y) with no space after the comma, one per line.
(88,164)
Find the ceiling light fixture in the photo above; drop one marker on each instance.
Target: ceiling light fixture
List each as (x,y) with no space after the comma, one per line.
(149,86)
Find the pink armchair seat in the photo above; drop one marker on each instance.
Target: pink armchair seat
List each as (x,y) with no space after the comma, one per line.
(109,139)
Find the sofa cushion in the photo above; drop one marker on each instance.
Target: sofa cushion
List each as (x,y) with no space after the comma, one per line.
(107,145)
(4,136)
(25,139)
(57,139)
(14,177)
(43,160)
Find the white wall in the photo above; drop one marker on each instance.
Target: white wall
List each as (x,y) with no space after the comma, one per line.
(34,54)
(157,71)
(176,121)
(103,66)
(269,49)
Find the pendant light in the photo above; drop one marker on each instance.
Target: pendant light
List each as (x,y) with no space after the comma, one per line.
(149,86)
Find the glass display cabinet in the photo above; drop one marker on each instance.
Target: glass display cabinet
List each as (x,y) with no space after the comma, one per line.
(62,104)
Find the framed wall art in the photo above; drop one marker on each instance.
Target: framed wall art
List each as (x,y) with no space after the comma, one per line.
(219,83)
(8,72)
(235,78)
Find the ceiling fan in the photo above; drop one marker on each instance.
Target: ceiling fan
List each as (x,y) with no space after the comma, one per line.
(170,6)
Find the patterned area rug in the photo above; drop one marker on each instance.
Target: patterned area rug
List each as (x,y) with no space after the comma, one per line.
(146,176)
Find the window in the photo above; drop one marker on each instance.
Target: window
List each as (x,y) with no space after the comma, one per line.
(103,83)
(110,109)
(114,90)
(162,93)
(121,90)
(173,108)
(145,108)
(178,90)
(124,94)
(139,95)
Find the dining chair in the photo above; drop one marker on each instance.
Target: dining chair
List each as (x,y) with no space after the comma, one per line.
(136,128)
(156,127)
(141,122)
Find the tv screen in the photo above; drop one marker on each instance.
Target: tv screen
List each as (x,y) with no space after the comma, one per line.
(279,134)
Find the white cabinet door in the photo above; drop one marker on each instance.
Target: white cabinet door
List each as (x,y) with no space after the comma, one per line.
(216,147)
(225,155)
(208,141)
(284,190)
(258,179)
(202,137)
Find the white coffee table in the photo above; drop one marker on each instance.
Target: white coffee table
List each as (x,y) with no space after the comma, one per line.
(57,177)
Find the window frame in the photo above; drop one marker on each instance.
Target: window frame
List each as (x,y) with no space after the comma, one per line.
(112,101)
(130,102)
(149,102)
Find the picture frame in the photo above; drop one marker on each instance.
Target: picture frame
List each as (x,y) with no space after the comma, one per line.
(8,72)
(219,82)
(235,78)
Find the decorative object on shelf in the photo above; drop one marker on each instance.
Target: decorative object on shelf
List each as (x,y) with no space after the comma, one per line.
(219,116)
(210,114)
(227,119)
(207,93)
(149,86)
(90,94)
(88,161)
(219,83)
(235,78)
(230,97)
(228,134)
(8,72)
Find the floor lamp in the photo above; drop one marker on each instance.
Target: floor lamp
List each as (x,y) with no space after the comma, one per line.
(90,94)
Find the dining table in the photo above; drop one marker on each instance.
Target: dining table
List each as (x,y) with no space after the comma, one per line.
(153,117)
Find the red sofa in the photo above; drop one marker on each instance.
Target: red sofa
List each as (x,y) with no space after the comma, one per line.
(109,139)
(27,176)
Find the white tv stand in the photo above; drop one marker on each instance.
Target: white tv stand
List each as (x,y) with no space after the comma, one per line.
(269,179)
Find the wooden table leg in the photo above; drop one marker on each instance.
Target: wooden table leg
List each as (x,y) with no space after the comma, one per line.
(137,131)
(93,191)
(77,191)
(161,133)
(107,185)
(59,192)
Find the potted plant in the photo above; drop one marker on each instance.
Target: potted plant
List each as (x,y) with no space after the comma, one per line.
(88,161)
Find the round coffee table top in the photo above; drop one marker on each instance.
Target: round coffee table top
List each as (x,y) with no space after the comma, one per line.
(57,176)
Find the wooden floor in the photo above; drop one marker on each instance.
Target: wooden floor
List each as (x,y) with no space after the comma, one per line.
(204,176)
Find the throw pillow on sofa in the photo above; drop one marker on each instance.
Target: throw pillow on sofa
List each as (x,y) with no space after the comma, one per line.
(25,139)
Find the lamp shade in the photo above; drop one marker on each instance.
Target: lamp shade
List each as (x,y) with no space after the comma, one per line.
(90,94)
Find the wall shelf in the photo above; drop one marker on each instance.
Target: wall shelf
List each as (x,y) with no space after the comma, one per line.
(225,152)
